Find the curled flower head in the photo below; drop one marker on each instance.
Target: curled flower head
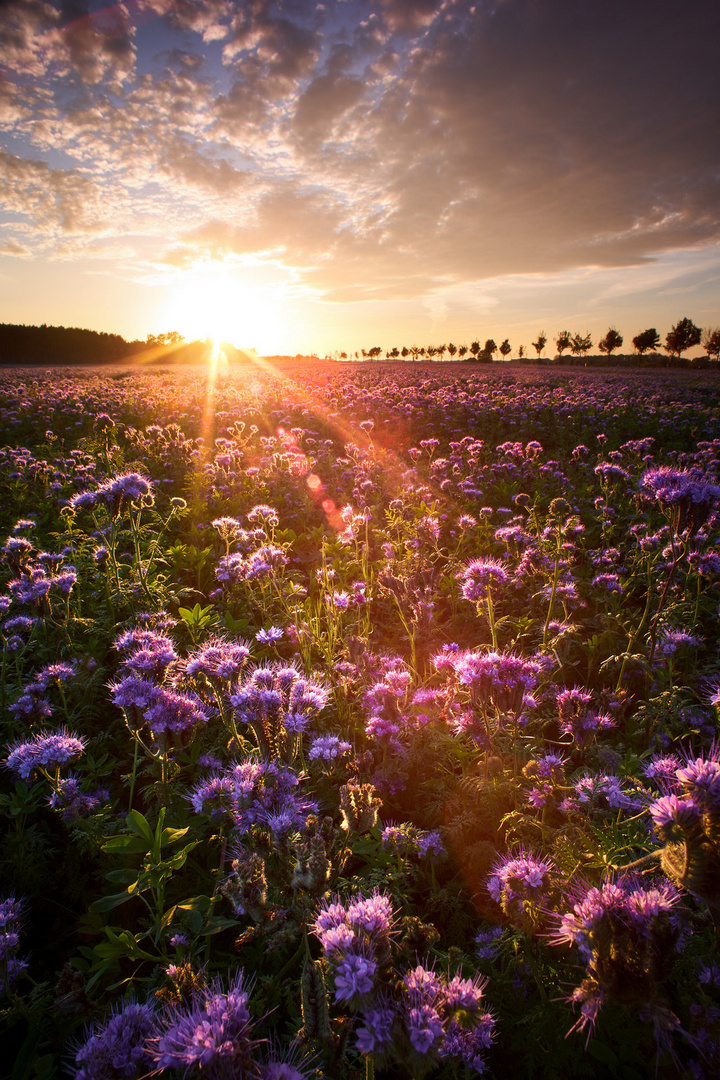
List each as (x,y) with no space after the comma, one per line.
(46,750)
(478,575)
(118,1047)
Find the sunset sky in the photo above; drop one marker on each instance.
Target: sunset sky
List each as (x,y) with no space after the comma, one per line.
(310,177)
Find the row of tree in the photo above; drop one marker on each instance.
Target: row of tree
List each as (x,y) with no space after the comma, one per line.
(69,346)
(684,335)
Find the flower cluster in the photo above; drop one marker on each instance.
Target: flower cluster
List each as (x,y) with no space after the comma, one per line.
(277,703)
(521,884)
(255,793)
(627,934)
(11,966)
(116,494)
(421,1015)
(117,1048)
(44,752)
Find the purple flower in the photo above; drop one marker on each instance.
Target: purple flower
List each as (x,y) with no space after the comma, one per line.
(328,748)
(424,1026)
(73,802)
(46,750)
(700,777)
(119,1047)
(520,880)
(501,677)
(469,1044)
(210,1035)
(488,943)
(626,934)
(354,976)
(374,1035)
(478,575)
(218,659)
(267,637)
(11,916)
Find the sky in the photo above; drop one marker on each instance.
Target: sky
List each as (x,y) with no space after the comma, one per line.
(302,177)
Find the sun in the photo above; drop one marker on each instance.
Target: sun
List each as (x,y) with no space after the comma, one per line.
(225,304)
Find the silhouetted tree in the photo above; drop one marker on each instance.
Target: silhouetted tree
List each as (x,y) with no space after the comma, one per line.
(452,349)
(711,343)
(541,342)
(462,349)
(563,341)
(404,352)
(505,348)
(580,344)
(489,348)
(646,341)
(610,342)
(475,349)
(684,335)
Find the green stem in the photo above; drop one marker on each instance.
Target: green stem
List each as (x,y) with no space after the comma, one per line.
(491,617)
(551,605)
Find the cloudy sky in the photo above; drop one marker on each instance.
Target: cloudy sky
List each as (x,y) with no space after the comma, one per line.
(301,176)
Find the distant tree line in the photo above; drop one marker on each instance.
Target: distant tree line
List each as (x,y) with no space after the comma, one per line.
(684,335)
(71,346)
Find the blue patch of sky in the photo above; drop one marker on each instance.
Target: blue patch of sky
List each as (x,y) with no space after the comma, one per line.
(22,147)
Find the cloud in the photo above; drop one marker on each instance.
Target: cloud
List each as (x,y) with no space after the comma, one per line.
(382,148)
(56,201)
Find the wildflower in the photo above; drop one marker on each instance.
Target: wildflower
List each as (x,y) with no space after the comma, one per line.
(210,1035)
(478,575)
(520,884)
(488,943)
(118,1048)
(375,1033)
(500,677)
(354,976)
(218,659)
(46,750)
(269,636)
(11,967)
(69,798)
(627,935)
(328,748)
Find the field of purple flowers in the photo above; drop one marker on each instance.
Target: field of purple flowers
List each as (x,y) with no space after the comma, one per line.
(359,721)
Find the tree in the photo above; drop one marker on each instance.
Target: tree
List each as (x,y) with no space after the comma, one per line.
(541,342)
(684,335)
(489,348)
(711,343)
(646,341)
(462,349)
(404,352)
(452,349)
(580,344)
(563,341)
(505,348)
(521,352)
(475,349)
(610,342)
(374,352)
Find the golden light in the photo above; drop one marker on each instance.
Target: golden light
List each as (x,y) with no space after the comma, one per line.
(223,303)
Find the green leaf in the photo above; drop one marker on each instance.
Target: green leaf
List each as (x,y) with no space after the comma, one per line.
(108,903)
(132,845)
(139,825)
(171,836)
